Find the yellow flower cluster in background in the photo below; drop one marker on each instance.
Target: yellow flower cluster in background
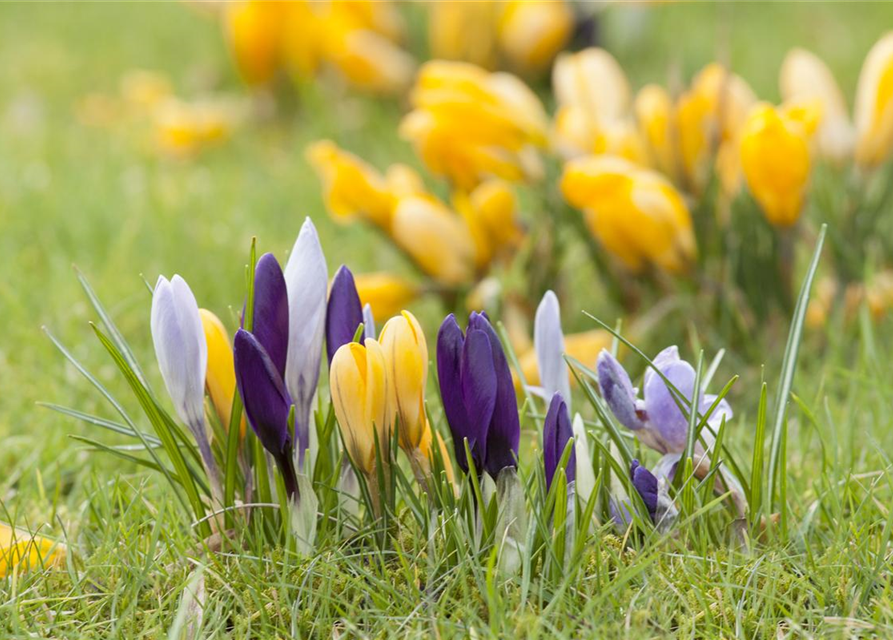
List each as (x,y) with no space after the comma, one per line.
(21,551)
(360,39)
(451,244)
(525,34)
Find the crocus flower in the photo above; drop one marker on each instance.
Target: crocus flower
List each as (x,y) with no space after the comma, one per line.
(531,33)
(636,214)
(491,213)
(220,380)
(352,188)
(804,78)
(776,160)
(657,420)
(478,395)
(468,125)
(653,490)
(368,60)
(873,109)
(548,340)
(646,485)
(344,314)
(361,398)
(369,321)
(306,279)
(557,432)
(406,356)
(271,325)
(21,551)
(653,107)
(267,403)
(385,293)
(182,354)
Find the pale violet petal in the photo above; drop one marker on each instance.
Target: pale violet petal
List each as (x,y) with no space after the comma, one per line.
(618,392)
(585,482)
(665,417)
(548,341)
(661,360)
(306,278)
(369,322)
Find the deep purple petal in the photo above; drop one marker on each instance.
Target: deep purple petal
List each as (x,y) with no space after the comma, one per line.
(617,390)
(450,343)
(267,403)
(504,433)
(271,310)
(344,312)
(557,432)
(664,414)
(646,484)
(479,392)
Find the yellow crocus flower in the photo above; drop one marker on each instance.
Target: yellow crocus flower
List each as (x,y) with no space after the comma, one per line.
(464,31)
(361,399)
(636,214)
(220,378)
(873,110)
(584,347)
(804,77)
(775,158)
(654,113)
(353,189)
(491,212)
(709,117)
(532,32)
(406,355)
(368,60)
(22,551)
(386,293)
(184,128)
(435,238)
(254,29)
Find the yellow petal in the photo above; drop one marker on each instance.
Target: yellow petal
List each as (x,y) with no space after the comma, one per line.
(464,31)
(406,354)
(220,379)
(873,110)
(21,551)
(370,61)
(254,30)
(593,81)
(379,401)
(386,293)
(350,388)
(532,32)
(654,112)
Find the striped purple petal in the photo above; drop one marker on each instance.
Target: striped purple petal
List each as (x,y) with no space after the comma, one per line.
(270,324)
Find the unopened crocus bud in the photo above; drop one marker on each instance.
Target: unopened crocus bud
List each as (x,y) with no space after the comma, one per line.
(344,312)
(360,396)
(306,279)
(270,315)
(406,355)
(548,340)
(220,380)
(557,432)
(776,160)
(873,109)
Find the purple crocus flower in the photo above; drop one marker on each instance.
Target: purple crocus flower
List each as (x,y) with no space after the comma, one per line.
(270,320)
(478,394)
(657,418)
(646,485)
(267,402)
(344,312)
(557,432)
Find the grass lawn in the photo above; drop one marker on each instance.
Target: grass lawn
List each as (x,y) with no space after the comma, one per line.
(98,197)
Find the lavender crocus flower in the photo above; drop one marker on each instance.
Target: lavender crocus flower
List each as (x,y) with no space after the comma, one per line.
(654,494)
(182,353)
(646,485)
(478,394)
(557,432)
(344,312)
(306,278)
(657,419)
(267,403)
(548,341)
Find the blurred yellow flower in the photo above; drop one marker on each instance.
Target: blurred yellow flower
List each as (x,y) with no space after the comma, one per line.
(776,160)
(532,32)
(708,120)
(386,293)
(21,551)
(352,188)
(220,379)
(491,212)
(583,347)
(361,399)
(184,128)
(654,113)
(635,213)
(805,78)
(467,124)
(406,357)
(254,31)
(464,31)
(873,110)
(437,239)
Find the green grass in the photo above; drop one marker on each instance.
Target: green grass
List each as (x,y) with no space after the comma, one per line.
(95,197)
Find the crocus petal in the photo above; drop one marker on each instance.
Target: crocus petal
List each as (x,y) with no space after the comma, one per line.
(646,484)
(504,433)
(306,278)
(180,347)
(406,353)
(369,321)
(479,391)
(617,390)
(661,360)
(666,466)
(348,381)
(722,412)
(583,471)
(221,378)
(556,434)
(450,344)
(548,341)
(344,313)
(666,419)
(267,403)
(270,320)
